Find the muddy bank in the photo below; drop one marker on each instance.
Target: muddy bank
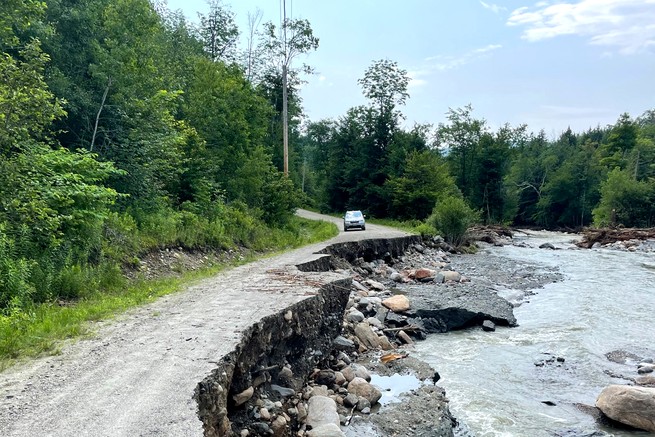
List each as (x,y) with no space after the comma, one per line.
(316,348)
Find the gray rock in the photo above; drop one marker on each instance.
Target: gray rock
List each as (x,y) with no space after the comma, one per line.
(375,285)
(404,337)
(366,336)
(645,380)
(355,316)
(319,390)
(375,322)
(261,428)
(343,344)
(361,372)
(547,246)
(363,389)
(327,430)
(441,309)
(396,277)
(451,276)
(321,411)
(325,377)
(634,406)
(283,391)
(348,373)
(488,326)
(350,400)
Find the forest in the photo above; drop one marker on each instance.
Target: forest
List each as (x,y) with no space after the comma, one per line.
(127,127)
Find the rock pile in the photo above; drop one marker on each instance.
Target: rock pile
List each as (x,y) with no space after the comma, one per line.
(632,405)
(393,303)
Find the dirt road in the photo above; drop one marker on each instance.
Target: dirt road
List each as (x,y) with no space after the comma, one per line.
(137,375)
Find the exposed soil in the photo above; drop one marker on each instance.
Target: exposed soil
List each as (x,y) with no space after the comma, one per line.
(173,262)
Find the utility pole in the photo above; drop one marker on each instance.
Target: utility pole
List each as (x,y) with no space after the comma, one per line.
(285,108)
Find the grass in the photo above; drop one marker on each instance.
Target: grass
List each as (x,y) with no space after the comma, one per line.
(410,226)
(42,329)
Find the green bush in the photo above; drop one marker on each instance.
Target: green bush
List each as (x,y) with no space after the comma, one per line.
(452,217)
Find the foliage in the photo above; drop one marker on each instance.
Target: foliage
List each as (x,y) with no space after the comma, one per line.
(385,84)
(625,201)
(27,107)
(452,217)
(424,181)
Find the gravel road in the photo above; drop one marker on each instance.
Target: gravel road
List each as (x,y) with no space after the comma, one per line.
(137,374)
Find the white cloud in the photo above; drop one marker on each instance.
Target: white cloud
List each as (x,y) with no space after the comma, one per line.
(443,63)
(415,80)
(493,7)
(624,25)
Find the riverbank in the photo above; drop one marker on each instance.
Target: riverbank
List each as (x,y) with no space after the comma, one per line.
(393,302)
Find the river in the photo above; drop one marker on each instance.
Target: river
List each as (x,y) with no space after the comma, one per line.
(509,383)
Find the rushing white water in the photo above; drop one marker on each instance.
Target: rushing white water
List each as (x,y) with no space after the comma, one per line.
(606,302)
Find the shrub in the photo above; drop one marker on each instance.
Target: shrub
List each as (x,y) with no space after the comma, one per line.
(452,217)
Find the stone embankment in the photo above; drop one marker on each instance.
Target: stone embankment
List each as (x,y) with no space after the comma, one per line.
(301,372)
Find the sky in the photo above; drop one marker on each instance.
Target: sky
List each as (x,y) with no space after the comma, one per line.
(548,64)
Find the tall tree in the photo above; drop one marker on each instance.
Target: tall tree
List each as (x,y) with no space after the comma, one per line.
(219,33)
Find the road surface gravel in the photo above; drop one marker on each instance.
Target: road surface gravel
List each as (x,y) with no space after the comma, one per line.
(137,374)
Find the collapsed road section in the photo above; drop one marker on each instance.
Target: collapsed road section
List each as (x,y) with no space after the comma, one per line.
(136,374)
(278,354)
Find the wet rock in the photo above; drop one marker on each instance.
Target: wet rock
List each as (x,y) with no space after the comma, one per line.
(634,406)
(398,303)
(363,404)
(488,326)
(645,380)
(643,368)
(445,309)
(547,246)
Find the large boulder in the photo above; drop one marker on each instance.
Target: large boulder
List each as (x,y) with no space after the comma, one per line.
(363,389)
(366,335)
(634,406)
(397,303)
(440,309)
(322,411)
